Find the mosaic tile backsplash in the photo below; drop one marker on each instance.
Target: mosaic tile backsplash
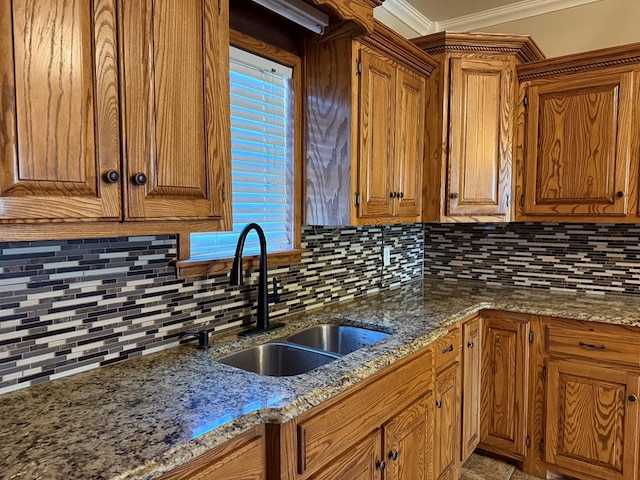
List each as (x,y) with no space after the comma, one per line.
(69,306)
(594,258)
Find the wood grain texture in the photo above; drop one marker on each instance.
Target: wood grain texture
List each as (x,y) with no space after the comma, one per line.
(405,440)
(505,370)
(447,423)
(376,120)
(359,12)
(446,350)
(578,146)
(410,153)
(331,429)
(359,463)
(593,341)
(174,58)
(59,127)
(330,121)
(242,458)
(471,382)
(481,124)
(591,426)
(522,47)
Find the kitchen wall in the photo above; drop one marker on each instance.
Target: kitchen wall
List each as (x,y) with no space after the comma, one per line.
(601,24)
(593,258)
(69,306)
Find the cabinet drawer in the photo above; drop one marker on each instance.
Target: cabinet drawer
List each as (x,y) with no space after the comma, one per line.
(326,434)
(594,342)
(447,349)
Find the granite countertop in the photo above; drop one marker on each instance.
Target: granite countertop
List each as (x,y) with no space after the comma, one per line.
(143,417)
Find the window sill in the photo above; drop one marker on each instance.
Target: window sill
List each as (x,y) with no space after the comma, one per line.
(202,268)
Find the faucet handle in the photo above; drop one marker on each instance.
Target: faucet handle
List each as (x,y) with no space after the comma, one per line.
(202,336)
(275,296)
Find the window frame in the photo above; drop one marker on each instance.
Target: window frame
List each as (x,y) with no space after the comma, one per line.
(187,267)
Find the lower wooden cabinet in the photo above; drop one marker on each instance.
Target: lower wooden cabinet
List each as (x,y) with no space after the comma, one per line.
(446,391)
(471,376)
(505,361)
(592,420)
(362,462)
(243,458)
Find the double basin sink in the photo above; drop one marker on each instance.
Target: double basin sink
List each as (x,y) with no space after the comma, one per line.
(303,351)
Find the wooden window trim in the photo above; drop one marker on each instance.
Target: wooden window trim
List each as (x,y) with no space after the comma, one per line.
(189,268)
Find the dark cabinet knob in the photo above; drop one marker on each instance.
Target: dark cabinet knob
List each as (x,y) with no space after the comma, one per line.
(448,349)
(393,455)
(392,195)
(401,195)
(620,194)
(140,179)
(112,176)
(470,344)
(381,465)
(438,404)
(633,398)
(454,196)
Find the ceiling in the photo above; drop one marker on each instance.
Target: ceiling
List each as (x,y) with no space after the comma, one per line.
(439,10)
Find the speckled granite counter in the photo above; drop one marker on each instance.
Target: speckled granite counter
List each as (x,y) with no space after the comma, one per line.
(140,418)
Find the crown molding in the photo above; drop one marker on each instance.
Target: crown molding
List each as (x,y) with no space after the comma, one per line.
(401,12)
(508,13)
(405,13)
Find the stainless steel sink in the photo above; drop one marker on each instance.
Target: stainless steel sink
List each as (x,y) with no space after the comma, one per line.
(340,339)
(277,359)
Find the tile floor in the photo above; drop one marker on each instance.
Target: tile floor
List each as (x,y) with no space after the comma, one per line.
(484,468)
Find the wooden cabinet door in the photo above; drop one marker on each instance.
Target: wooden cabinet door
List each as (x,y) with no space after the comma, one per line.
(377,125)
(410,118)
(447,424)
(59,103)
(480,136)
(362,462)
(578,145)
(471,376)
(592,420)
(240,459)
(405,445)
(175,63)
(505,360)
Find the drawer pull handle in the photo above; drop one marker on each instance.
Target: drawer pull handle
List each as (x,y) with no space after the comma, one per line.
(393,455)
(633,398)
(470,344)
(591,345)
(381,465)
(448,349)
(438,404)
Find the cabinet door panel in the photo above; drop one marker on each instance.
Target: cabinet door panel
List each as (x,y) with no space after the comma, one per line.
(480,136)
(377,124)
(447,423)
(471,375)
(359,463)
(410,110)
(578,146)
(405,446)
(176,107)
(591,425)
(504,383)
(59,132)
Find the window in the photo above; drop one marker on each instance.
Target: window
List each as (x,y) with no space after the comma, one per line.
(262,157)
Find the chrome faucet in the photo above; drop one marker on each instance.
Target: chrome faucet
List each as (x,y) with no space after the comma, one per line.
(236,278)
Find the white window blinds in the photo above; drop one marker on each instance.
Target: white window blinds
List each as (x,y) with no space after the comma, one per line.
(261,157)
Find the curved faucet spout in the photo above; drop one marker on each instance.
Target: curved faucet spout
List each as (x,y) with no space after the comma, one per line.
(236,277)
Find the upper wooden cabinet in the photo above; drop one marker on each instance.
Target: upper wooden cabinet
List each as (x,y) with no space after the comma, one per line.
(176,112)
(365,129)
(470,125)
(59,135)
(577,151)
(99,127)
